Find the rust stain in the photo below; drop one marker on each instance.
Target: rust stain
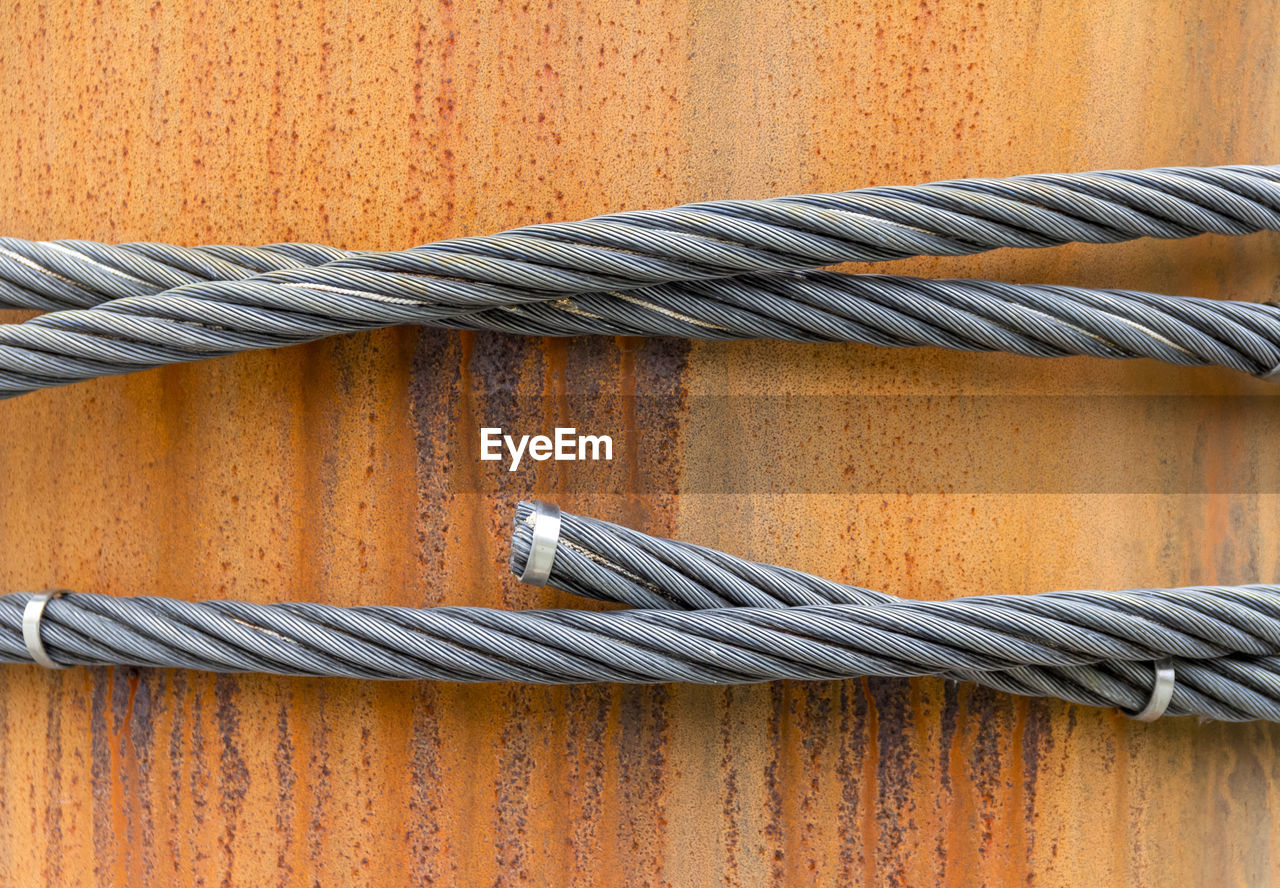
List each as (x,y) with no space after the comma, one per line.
(345,471)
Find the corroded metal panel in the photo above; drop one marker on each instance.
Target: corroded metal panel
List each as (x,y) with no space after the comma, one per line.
(346,471)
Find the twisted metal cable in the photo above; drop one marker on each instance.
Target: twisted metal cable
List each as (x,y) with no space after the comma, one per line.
(1040,321)
(600,560)
(723,270)
(54,275)
(752,623)
(695,241)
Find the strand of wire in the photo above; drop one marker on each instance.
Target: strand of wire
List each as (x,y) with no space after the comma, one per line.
(999,640)
(1039,321)
(729,646)
(712,270)
(1092,647)
(600,560)
(695,241)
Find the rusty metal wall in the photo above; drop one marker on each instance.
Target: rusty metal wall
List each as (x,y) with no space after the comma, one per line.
(345,471)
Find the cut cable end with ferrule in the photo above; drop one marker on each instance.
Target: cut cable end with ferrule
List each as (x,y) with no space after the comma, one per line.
(543,521)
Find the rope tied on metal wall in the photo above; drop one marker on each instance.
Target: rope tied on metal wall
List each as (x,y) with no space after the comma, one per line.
(698,615)
(717,270)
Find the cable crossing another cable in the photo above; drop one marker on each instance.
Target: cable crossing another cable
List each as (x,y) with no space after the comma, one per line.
(698,615)
(717,270)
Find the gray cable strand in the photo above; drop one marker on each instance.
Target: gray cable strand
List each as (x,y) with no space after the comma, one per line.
(984,640)
(695,241)
(64,347)
(707,617)
(53,275)
(605,561)
(724,270)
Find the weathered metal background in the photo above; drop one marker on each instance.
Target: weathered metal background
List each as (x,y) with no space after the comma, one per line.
(346,471)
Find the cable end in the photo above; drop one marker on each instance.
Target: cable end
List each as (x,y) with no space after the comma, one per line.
(544,523)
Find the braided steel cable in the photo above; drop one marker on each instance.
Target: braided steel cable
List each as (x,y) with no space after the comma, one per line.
(723,270)
(1039,321)
(695,241)
(54,275)
(608,562)
(752,623)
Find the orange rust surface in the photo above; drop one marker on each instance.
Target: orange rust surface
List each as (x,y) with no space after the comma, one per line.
(345,471)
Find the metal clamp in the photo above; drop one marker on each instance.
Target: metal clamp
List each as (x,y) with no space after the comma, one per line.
(542,545)
(1161,693)
(31,616)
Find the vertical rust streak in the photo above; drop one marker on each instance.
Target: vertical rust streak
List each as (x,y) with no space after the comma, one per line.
(637,510)
(470,538)
(53,819)
(870,827)
(1017,811)
(299,787)
(963,821)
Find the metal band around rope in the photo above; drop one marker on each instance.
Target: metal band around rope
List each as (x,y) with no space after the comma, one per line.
(32,614)
(1161,693)
(542,547)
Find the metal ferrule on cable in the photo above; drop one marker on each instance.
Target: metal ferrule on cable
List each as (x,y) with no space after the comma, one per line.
(719,270)
(697,615)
